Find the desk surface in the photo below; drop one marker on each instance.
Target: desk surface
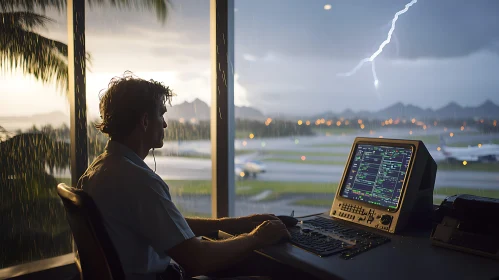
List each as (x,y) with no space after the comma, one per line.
(409,256)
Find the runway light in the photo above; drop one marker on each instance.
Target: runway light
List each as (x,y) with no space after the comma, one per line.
(300,122)
(451,134)
(303,157)
(479,145)
(327,7)
(465,162)
(242,174)
(438,148)
(251,136)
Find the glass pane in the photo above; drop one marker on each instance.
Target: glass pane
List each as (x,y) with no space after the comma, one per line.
(315,76)
(34,135)
(175,52)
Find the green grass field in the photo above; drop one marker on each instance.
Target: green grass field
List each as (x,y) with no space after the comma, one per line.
(308,161)
(483,167)
(335,130)
(203,187)
(474,143)
(295,153)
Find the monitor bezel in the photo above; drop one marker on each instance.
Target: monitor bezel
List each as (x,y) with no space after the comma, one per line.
(386,142)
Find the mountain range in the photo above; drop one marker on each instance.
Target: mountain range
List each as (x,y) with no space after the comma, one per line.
(488,109)
(201,111)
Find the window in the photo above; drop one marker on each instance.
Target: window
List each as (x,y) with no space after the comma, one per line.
(301,100)
(34,142)
(175,52)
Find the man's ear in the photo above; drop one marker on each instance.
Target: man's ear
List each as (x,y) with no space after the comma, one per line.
(144,121)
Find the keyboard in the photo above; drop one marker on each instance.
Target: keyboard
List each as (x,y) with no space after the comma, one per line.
(325,237)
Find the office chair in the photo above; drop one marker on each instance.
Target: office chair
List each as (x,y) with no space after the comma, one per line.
(98,258)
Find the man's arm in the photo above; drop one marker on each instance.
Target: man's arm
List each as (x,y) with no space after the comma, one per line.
(202,226)
(201,257)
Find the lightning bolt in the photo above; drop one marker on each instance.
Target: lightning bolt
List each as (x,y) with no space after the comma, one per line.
(380,48)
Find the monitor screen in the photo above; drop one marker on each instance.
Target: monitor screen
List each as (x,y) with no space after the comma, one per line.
(376,174)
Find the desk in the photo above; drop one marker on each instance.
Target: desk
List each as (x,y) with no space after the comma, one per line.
(407,256)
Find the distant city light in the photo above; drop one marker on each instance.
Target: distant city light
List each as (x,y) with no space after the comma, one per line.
(181,120)
(465,162)
(451,134)
(424,127)
(371,132)
(297,141)
(413,120)
(380,136)
(303,157)
(435,123)
(245,143)
(359,121)
(438,148)
(329,123)
(479,145)
(445,129)
(242,174)
(362,126)
(462,128)
(264,144)
(300,122)
(494,123)
(327,7)
(347,122)
(307,122)
(338,123)
(251,136)
(410,132)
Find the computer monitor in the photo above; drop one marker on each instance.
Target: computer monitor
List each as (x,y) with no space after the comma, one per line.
(385,182)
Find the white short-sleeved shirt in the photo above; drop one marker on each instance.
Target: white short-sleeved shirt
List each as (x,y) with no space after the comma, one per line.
(138,213)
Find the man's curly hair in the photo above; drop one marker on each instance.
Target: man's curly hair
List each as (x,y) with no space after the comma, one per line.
(126,99)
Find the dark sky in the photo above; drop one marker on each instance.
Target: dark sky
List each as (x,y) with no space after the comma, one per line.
(288,52)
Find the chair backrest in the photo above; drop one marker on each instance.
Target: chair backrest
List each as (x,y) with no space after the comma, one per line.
(98,257)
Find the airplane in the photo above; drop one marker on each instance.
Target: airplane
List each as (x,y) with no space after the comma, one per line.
(479,153)
(247,168)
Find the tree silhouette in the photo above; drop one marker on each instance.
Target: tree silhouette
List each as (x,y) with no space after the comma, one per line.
(21,48)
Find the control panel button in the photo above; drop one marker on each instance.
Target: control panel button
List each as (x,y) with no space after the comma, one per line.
(386,219)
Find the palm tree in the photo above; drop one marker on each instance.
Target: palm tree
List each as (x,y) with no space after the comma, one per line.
(21,48)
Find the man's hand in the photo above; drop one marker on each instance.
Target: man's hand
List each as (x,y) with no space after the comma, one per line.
(248,223)
(270,232)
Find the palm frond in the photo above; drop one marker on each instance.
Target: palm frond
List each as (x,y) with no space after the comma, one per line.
(25,20)
(161,7)
(35,55)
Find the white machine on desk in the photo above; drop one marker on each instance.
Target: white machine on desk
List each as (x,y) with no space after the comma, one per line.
(385,183)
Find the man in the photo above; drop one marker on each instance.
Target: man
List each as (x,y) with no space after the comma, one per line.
(145,226)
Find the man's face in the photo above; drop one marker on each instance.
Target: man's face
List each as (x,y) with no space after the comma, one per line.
(157,124)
